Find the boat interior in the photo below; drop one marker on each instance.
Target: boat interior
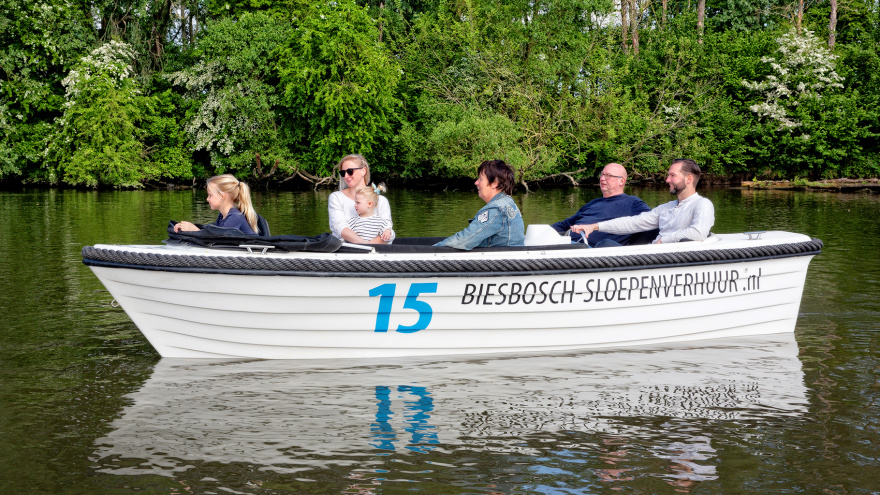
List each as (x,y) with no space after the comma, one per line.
(212,236)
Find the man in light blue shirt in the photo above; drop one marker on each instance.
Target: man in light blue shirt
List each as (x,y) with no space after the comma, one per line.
(689,218)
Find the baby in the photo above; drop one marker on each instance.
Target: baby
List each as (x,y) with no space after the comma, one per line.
(367,225)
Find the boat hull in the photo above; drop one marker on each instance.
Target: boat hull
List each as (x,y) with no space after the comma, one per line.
(296,315)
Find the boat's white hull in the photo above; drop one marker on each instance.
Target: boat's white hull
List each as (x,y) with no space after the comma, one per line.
(300,317)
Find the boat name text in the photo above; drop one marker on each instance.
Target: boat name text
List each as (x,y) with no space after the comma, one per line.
(624,288)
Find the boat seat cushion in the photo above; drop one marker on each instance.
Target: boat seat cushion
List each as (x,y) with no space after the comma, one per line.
(544,235)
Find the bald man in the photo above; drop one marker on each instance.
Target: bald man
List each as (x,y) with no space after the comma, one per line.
(613,204)
(688,218)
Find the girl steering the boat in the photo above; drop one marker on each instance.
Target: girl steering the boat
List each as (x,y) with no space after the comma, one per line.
(232,198)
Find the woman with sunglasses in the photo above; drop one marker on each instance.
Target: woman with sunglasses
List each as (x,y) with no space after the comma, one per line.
(354,172)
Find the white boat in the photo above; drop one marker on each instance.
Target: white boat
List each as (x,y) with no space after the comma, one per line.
(306,416)
(410,298)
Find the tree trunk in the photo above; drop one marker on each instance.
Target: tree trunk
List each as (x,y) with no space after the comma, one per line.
(624,23)
(194,21)
(663,21)
(183,33)
(161,19)
(634,25)
(800,16)
(701,18)
(381,19)
(832,25)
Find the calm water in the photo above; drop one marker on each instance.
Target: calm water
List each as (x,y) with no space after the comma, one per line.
(87,406)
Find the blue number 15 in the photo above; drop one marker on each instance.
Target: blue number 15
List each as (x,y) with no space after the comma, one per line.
(386,298)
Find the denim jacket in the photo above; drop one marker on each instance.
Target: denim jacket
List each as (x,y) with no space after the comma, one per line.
(499,223)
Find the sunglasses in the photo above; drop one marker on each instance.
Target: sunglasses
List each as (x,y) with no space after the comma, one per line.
(349,171)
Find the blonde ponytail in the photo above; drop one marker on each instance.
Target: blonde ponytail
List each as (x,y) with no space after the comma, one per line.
(246,207)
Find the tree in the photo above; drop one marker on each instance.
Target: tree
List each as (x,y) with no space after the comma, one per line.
(505,81)
(145,25)
(751,16)
(240,118)
(815,126)
(802,72)
(99,140)
(396,17)
(232,9)
(41,41)
(340,84)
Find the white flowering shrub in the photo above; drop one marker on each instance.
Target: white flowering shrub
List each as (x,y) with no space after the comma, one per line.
(112,61)
(239,113)
(229,114)
(803,70)
(98,139)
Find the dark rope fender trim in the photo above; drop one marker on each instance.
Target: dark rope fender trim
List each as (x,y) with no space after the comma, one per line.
(253,265)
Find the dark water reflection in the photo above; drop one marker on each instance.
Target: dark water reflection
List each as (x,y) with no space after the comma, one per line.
(564,412)
(86,406)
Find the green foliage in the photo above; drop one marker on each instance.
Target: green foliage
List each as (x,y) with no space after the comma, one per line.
(232,9)
(727,127)
(99,138)
(102,136)
(463,138)
(40,42)
(276,89)
(238,112)
(747,15)
(658,113)
(340,85)
(394,18)
(517,77)
(165,140)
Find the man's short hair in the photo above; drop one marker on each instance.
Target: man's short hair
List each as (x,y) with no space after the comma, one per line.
(500,171)
(689,166)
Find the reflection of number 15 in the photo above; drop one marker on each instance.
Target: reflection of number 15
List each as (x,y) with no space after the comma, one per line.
(386,298)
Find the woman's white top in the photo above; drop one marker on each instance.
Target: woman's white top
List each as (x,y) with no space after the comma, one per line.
(341,209)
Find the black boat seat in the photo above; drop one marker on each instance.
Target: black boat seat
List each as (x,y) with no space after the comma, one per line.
(263,225)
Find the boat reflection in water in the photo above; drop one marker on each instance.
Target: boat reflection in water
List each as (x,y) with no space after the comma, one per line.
(296,416)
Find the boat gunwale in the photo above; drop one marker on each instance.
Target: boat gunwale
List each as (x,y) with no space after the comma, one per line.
(424,268)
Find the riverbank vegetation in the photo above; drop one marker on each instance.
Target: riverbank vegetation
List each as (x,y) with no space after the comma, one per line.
(130,92)
(847,185)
